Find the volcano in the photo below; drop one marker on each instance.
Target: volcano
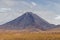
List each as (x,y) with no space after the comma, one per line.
(28,20)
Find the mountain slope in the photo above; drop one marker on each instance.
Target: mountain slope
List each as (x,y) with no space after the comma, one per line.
(28,20)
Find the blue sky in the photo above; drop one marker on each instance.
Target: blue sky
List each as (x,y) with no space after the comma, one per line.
(47,9)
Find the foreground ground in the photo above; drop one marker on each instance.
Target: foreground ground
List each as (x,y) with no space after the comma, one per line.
(29,35)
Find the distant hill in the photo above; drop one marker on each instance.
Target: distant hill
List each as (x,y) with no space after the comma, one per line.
(28,20)
(55,29)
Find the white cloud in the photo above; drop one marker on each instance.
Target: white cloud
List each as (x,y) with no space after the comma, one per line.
(57,17)
(5,9)
(28,5)
(33,3)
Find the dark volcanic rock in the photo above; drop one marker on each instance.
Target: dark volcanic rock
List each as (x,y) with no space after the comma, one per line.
(28,20)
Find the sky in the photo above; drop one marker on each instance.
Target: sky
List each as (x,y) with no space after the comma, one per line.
(47,9)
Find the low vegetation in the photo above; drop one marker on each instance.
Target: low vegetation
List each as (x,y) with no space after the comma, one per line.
(29,36)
